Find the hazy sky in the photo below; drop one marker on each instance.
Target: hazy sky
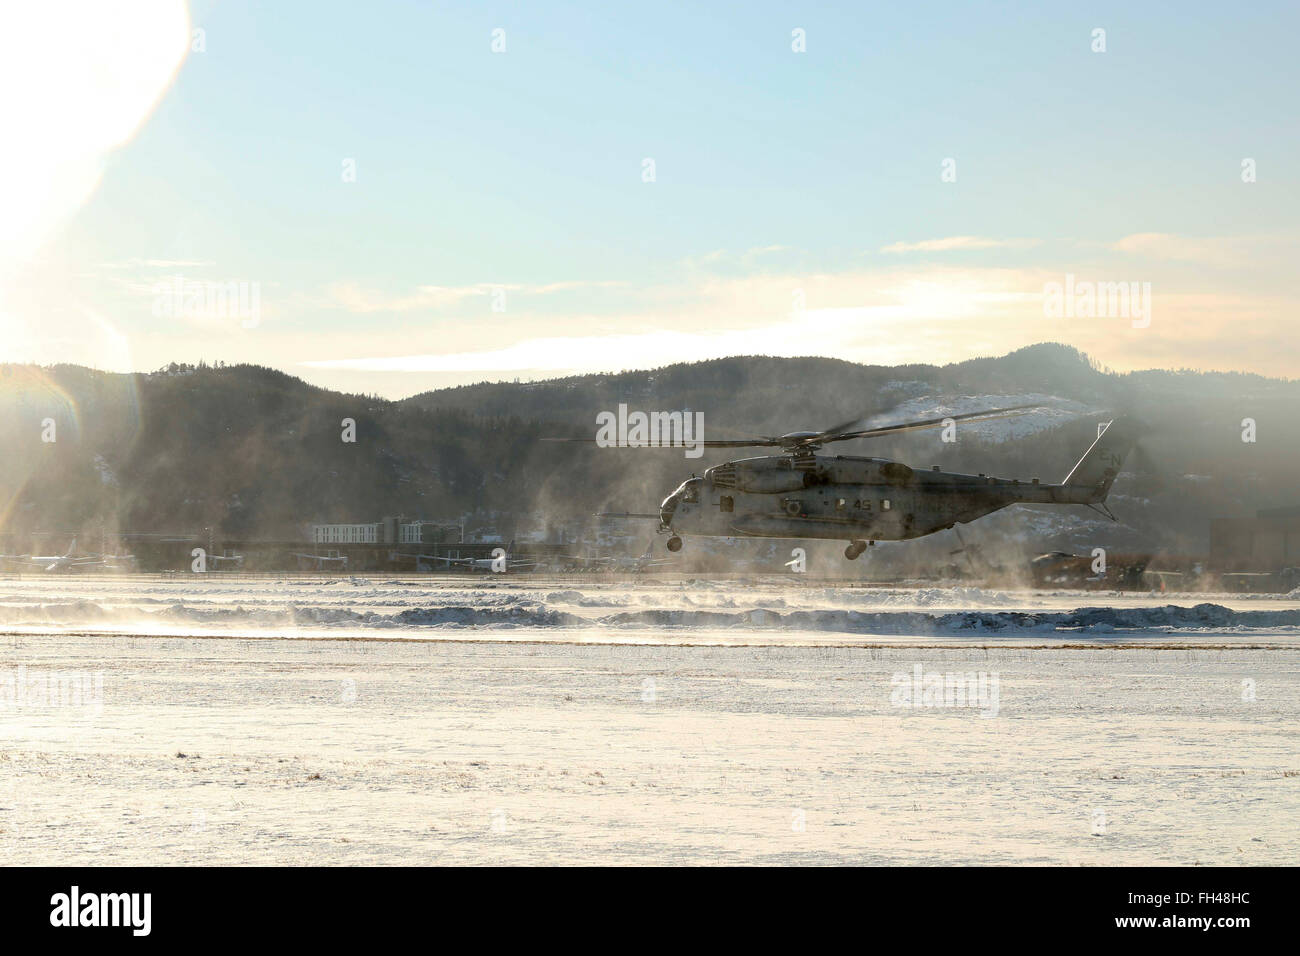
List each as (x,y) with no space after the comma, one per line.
(411,208)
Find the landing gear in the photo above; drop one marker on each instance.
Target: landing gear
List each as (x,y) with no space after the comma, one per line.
(855,549)
(674,544)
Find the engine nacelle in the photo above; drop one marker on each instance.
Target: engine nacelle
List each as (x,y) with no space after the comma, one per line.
(775,476)
(758,476)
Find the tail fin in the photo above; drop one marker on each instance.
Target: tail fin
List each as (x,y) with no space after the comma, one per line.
(71,549)
(649,548)
(1101,463)
(510,548)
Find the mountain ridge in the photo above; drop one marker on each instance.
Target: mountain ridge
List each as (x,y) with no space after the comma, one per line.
(253,452)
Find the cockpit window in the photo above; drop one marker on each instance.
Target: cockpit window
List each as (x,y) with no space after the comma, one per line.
(691,489)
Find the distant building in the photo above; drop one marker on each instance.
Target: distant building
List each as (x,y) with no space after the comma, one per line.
(427,532)
(1270,541)
(385,531)
(345,533)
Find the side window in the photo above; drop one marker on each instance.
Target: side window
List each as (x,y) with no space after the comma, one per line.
(726,503)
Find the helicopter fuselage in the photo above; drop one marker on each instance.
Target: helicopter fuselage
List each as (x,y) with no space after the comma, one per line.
(843,497)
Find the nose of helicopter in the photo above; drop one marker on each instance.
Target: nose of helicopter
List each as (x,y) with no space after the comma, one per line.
(668,509)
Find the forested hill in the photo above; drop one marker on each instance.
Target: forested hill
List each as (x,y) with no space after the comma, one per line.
(255,453)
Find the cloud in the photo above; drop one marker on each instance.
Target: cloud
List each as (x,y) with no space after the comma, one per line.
(725,261)
(352,297)
(557,355)
(931,314)
(951,243)
(1218,251)
(138,263)
(869,316)
(575,285)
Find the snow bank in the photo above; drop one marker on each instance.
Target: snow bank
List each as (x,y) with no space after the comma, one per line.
(502,611)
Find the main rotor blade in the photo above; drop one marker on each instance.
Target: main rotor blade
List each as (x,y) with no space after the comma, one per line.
(986,415)
(846,426)
(740,443)
(693,443)
(830,435)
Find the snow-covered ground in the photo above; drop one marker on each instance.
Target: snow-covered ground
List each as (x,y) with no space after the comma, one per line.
(244,721)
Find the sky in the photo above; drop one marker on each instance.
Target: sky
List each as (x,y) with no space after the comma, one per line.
(397,196)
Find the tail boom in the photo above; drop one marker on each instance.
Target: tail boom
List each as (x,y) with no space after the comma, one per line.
(1096,470)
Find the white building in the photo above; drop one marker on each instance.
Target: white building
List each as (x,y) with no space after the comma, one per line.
(387,531)
(345,533)
(410,533)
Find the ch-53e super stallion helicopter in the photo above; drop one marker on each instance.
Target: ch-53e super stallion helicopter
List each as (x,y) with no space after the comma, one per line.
(800,494)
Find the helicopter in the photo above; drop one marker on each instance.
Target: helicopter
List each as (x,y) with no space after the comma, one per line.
(801,494)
